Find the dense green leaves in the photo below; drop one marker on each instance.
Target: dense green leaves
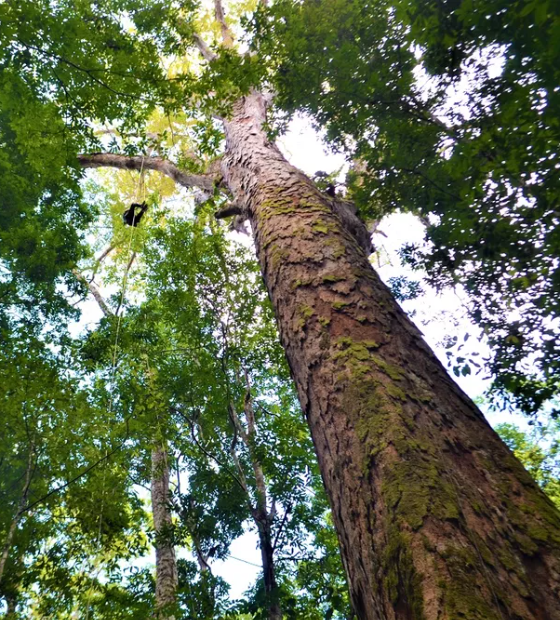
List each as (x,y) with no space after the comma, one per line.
(188,355)
(452,110)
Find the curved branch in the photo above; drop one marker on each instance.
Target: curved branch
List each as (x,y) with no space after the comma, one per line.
(105,253)
(228,212)
(164,166)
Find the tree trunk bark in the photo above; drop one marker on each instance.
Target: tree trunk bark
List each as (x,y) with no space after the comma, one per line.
(436,519)
(166,564)
(269,575)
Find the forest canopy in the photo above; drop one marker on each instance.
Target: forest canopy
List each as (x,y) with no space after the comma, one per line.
(223,362)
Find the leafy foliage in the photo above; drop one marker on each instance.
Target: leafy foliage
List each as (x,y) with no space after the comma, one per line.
(539,452)
(187,355)
(453,110)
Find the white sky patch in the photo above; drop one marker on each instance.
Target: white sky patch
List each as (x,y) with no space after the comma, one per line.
(242,568)
(304,148)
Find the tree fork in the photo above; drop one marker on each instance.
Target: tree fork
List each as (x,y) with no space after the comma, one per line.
(436,518)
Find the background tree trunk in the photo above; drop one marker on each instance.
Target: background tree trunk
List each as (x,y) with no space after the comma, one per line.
(166,563)
(436,519)
(11,605)
(19,511)
(269,572)
(262,515)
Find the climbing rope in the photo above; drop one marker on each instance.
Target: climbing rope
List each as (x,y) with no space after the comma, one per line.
(140,188)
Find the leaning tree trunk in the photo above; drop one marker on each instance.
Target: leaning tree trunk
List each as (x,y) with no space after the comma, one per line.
(166,563)
(436,519)
(19,512)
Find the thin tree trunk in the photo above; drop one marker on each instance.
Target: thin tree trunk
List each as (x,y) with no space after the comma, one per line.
(11,605)
(436,519)
(20,509)
(166,563)
(262,516)
(208,602)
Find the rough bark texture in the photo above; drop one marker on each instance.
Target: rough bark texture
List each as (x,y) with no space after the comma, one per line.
(166,564)
(436,518)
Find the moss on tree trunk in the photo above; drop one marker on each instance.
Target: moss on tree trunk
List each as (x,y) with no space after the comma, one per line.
(435,517)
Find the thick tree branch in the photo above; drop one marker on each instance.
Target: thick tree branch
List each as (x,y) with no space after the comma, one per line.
(164,166)
(206,52)
(228,212)
(227,37)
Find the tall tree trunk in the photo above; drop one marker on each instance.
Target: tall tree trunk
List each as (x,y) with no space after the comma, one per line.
(166,563)
(436,519)
(269,572)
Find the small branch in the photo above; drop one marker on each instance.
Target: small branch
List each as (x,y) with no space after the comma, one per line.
(281,528)
(241,483)
(164,166)
(89,72)
(94,290)
(228,212)
(78,476)
(105,253)
(238,430)
(219,14)
(205,51)
(131,262)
